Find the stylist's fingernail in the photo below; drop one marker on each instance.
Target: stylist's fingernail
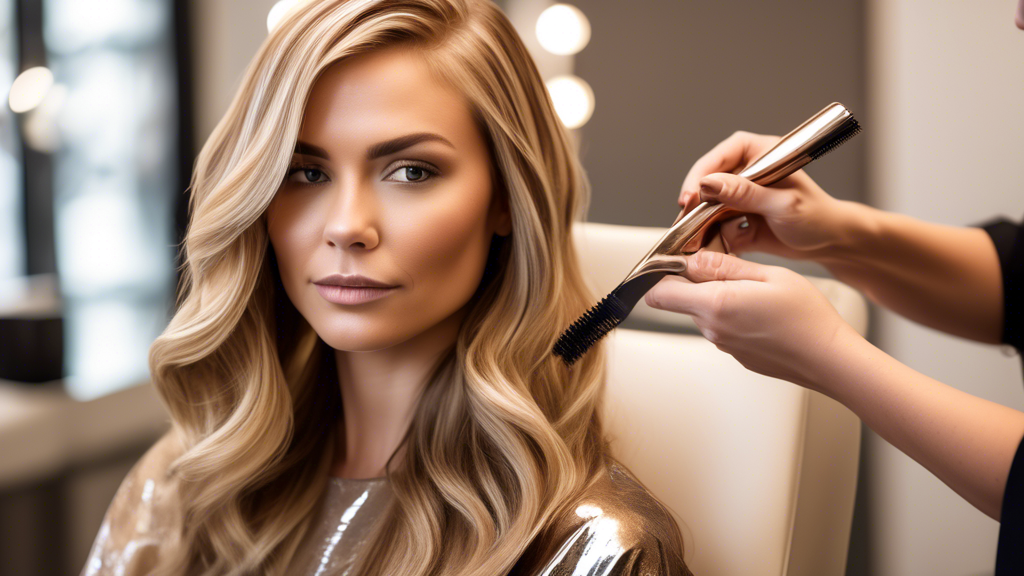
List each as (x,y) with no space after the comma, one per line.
(711,187)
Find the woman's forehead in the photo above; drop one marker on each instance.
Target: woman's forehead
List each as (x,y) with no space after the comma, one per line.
(373,96)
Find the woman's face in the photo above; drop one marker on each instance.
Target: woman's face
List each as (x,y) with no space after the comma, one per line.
(391,180)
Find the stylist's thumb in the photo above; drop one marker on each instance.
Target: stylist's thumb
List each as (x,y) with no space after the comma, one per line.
(707,266)
(743,195)
(706,274)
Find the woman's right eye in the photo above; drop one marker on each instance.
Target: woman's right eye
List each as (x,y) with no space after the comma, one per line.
(309,173)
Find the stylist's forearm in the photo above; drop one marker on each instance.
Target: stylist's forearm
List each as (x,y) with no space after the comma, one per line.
(944,277)
(966,441)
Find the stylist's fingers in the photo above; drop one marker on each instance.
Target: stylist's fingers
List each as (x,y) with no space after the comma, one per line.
(750,233)
(733,153)
(743,195)
(676,294)
(705,280)
(689,200)
(738,234)
(707,266)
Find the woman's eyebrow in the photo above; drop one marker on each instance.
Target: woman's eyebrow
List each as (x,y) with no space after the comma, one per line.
(380,149)
(402,142)
(310,150)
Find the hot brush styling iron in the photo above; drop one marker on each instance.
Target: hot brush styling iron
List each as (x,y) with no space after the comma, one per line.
(821,134)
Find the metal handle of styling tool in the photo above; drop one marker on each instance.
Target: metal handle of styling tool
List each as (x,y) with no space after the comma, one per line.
(819,135)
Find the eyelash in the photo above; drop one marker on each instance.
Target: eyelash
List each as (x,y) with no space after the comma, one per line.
(428,168)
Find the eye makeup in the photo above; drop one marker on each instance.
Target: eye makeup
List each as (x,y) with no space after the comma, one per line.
(303,168)
(416,172)
(429,171)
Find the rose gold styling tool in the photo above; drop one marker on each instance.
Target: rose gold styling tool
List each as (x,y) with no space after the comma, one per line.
(819,135)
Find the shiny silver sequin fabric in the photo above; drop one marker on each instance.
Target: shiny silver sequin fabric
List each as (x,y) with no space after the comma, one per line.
(341,527)
(616,528)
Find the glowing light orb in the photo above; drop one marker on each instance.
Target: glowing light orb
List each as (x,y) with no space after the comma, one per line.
(563,29)
(573,99)
(30,88)
(277,11)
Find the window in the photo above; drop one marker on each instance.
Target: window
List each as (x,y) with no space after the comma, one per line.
(12,233)
(103,158)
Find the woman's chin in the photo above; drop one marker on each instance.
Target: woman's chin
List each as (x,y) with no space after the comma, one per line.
(363,342)
(376,332)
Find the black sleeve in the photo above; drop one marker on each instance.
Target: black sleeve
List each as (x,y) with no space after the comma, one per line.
(1007,237)
(1010,549)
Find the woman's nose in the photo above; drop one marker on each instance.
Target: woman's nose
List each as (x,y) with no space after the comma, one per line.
(353,219)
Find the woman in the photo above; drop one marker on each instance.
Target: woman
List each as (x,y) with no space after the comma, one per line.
(378,261)
(965,281)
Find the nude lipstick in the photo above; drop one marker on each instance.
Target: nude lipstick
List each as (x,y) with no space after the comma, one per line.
(354,289)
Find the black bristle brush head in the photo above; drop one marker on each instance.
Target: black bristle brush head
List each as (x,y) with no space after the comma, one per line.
(589,328)
(603,317)
(851,129)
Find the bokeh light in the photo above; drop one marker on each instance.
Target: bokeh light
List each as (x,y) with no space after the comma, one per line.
(573,99)
(30,88)
(40,128)
(563,29)
(277,12)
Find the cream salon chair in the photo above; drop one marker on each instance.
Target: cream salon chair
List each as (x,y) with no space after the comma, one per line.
(761,473)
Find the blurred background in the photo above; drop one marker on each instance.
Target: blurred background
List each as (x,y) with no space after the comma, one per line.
(108,102)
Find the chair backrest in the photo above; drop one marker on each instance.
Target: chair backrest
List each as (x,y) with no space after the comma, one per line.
(761,473)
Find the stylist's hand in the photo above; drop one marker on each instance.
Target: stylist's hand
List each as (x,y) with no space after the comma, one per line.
(794,218)
(771,319)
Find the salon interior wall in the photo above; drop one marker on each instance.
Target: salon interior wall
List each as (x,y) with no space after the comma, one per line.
(671,79)
(226,35)
(946,139)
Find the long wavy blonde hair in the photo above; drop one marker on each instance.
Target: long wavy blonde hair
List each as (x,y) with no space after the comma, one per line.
(504,434)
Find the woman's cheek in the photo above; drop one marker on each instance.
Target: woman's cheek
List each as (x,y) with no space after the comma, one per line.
(292,235)
(445,254)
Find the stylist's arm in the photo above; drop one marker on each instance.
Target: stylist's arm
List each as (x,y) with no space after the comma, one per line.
(774,322)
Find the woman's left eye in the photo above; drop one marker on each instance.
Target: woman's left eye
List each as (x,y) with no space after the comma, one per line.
(411,173)
(310,172)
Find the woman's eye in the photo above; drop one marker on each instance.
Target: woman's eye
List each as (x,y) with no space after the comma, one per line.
(410,174)
(310,174)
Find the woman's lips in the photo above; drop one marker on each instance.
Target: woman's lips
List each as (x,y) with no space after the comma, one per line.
(352,294)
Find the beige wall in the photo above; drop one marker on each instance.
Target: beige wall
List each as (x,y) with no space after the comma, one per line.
(226,35)
(672,79)
(945,145)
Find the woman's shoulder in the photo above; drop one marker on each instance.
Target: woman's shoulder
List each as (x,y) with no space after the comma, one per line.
(616,527)
(142,517)
(156,462)
(148,488)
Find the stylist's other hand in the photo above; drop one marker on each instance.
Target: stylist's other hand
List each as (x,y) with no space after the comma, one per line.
(771,319)
(794,218)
